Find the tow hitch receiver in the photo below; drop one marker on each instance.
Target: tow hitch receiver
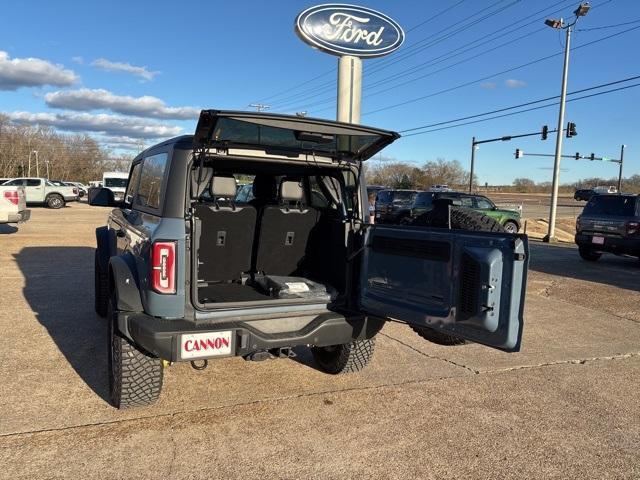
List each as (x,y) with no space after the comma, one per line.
(282,352)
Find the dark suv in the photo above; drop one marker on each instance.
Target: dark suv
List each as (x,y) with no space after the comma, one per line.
(424,202)
(609,223)
(393,205)
(184,271)
(583,194)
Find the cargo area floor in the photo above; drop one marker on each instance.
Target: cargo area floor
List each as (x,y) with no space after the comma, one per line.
(229,292)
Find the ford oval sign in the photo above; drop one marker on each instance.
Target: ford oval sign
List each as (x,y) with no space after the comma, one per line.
(349,30)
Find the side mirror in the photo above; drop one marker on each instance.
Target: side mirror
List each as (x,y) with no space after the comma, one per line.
(101,197)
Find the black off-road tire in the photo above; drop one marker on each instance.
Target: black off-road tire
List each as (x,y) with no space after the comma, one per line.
(588,254)
(346,358)
(467,219)
(461,219)
(101,287)
(135,377)
(55,201)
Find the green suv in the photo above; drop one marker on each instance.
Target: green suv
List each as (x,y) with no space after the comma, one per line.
(423,202)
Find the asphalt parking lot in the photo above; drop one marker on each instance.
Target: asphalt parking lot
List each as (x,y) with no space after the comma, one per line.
(566,406)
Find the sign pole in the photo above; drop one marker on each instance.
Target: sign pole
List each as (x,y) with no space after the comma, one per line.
(349,89)
(473,159)
(620,170)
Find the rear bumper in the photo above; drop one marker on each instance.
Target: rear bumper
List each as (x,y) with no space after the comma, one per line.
(19,217)
(162,337)
(620,245)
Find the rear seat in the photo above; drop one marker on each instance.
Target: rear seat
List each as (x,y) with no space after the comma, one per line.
(226,232)
(284,232)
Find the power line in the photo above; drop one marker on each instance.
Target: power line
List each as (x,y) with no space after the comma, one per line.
(418,47)
(609,26)
(483,40)
(524,111)
(487,77)
(439,14)
(434,61)
(595,87)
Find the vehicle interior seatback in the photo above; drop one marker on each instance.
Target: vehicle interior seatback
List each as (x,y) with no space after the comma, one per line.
(284,231)
(226,233)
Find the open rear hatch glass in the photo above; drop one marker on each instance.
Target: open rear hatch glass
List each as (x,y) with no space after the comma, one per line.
(289,135)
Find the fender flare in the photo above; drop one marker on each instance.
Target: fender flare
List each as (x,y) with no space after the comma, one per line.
(124,282)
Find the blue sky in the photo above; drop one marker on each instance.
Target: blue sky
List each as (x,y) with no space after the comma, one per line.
(130,72)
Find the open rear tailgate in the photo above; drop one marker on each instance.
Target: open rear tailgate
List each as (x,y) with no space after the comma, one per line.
(291,134)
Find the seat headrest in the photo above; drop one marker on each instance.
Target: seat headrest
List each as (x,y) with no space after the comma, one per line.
(198,188)
(291,191)
(223,186)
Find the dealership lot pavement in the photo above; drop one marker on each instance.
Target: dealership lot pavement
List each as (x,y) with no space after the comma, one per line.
(567,406)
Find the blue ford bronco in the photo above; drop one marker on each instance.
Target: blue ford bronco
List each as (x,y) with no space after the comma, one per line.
(186,272)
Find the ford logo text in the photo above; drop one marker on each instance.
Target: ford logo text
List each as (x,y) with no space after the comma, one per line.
(349,30)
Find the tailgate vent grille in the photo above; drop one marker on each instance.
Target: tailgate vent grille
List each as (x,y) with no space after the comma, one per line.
(469,288)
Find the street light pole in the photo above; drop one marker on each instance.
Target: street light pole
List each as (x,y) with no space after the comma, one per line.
(581,11)
(558,155)
(473,159)
(620,171)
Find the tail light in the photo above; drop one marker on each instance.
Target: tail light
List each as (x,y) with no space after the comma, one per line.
(12,196)
(163,267)
(632,227)
(578,224)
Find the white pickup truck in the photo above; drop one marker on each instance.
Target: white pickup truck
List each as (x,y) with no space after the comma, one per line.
(13,205)
(42,191)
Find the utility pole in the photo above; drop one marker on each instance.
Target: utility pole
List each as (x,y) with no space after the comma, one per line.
(579,12)
(473,159)
(620,170)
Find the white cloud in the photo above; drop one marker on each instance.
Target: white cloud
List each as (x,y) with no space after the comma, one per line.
(146,106)
(111,125)
(122,143)
(109,66)
(513,83)
(79,60)
(32,72)
(489,85)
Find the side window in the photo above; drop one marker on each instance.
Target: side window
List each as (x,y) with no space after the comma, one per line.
(423,200)
(15,183)
(132,185)
(150,187)
(383,197)
(33,182)
(466,202)
(484,203)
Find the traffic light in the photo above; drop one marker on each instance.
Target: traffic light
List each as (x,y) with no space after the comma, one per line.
(545,131)
(571,130)
(592,157)
(519,153)
(577,155)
